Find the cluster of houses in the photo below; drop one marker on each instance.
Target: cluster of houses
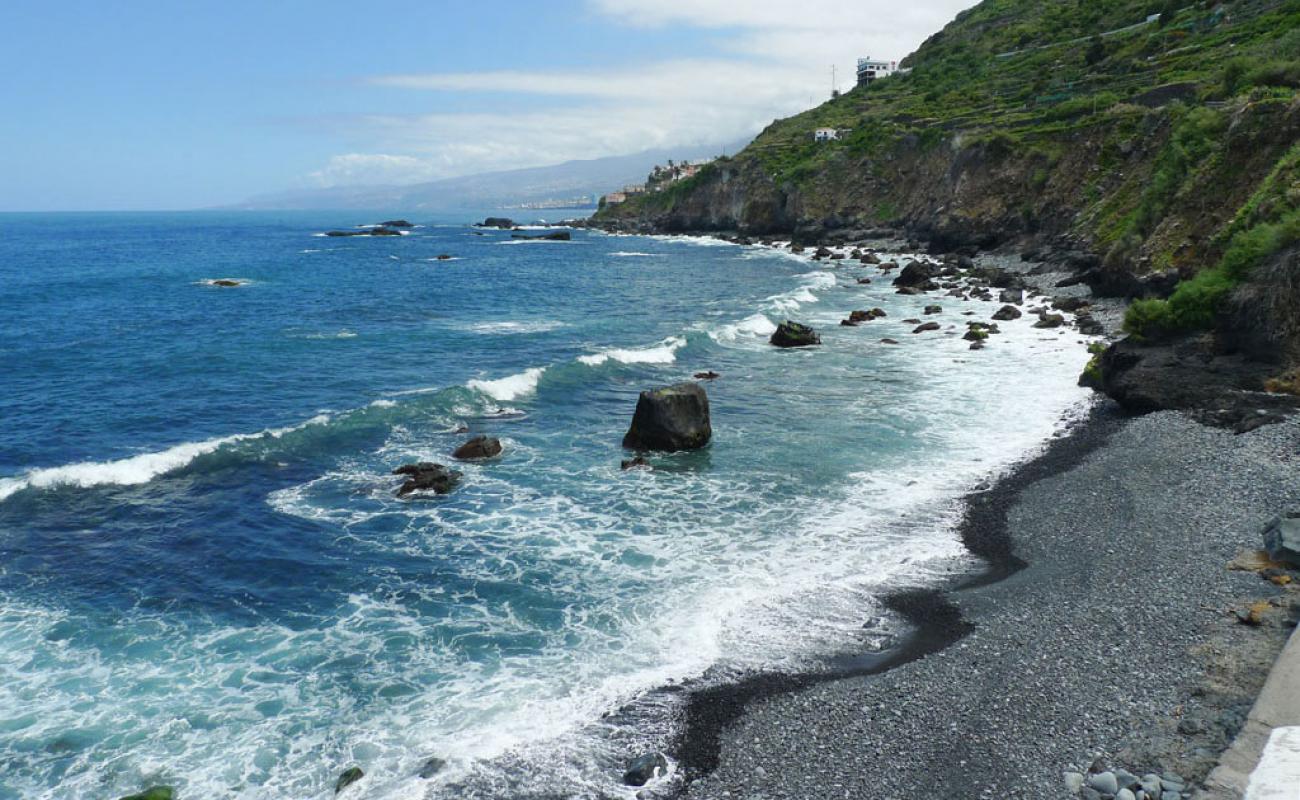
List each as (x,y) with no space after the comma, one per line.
(661,177)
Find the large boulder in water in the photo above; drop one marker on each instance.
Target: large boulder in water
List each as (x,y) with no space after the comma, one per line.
(427,477)
(794,334)
(645,769)
(671,418)
(918,275)
(503,223)
(350,776)
(478,448)
(396,223)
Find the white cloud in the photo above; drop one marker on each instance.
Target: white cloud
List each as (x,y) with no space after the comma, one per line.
(774,60)
(363,168)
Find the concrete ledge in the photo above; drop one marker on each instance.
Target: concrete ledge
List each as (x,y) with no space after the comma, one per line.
(1276,709)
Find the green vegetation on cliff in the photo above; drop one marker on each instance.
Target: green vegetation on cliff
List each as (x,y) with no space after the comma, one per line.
(1160,135)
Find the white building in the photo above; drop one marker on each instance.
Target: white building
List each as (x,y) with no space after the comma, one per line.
(826,134)
(869,70)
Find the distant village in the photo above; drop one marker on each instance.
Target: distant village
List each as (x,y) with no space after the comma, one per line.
(661,177)
(869,71)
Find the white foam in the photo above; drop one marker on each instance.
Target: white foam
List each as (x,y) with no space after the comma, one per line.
(511,327)
(136,469)
(755,325)
(625,254)
(512,387)
(663,353)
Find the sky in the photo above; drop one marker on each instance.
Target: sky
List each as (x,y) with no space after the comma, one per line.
(143,104)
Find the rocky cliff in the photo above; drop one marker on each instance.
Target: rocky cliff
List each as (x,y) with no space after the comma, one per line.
(1151,148)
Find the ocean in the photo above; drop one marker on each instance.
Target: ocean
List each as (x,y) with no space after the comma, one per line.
(206,580)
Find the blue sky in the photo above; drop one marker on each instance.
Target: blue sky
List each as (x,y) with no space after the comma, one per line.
(144,104)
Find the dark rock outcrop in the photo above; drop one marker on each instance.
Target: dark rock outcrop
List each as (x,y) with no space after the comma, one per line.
(431,767)
(1190,375)
(1282,538)
(645,769)
(558,236)
(501,223)
(918,275)
(671,418)
(478,448)
(350,776)
(707,376)
(365,232)
(1007,313)
(396,223)
(929,326)
(225,282)
(1049,321)
(427,477)
(794,334)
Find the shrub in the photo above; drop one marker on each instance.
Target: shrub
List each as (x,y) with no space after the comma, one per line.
(1148,319)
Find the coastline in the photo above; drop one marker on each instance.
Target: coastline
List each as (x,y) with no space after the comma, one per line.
(1109,644)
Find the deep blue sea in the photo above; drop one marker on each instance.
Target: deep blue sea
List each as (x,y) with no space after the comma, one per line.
(206,580)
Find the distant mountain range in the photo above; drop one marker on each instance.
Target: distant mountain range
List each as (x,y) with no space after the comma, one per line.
(511,188)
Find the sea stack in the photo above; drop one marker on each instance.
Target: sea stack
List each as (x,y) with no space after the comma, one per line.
(671,418)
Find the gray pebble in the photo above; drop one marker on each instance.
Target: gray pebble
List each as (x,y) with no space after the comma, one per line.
(1073,782)
(1125,794)
(1104,782)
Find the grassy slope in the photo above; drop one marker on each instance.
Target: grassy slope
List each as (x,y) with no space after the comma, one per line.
(1031,76)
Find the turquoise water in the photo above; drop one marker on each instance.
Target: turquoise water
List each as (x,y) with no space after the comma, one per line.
(205,578)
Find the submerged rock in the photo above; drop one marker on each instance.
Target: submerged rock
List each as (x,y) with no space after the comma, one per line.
(794,334)
(444,257)
(888,341)
(929,326)
(645,769)
(431,767)
(155,793)
(635,463)
(350,776)
(365,232)
(1282,538)
(480,447)
(425,477)
(558,236)
(933,310)
(226,282)
(671,418)
(707,376)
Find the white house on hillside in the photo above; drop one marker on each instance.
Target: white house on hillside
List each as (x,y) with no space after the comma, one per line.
(869,70)
(830,134)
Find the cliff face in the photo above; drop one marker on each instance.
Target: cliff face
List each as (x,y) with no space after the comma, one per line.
(1156,156)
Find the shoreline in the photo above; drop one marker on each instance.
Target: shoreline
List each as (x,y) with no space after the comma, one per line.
(1083,655)
(936,622)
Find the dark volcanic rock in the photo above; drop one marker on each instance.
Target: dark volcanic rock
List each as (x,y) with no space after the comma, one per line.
(365,232)
(427,477)
(1049,321)
(929,326)
(889,341)
(1016,296)
(502,223)
(225,282)
(794,334)
(917,275)
(558,236)
(1189,375)
(350,776)
(431,767)
(1282,538)
(479,447)
(934,310)
(671,418)
(1007,313)
(645,769)
(635,463)
(707,376)
(396,223)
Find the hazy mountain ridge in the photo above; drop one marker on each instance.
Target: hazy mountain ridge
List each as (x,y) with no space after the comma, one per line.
(502,189)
